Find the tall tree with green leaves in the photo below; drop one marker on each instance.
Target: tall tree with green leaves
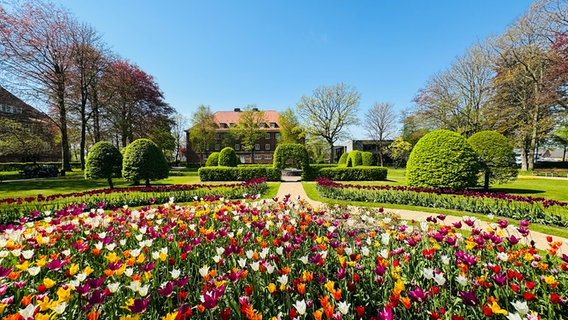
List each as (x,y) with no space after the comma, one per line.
(248,128)
(329,111)
(202,131)
(18,140)
(290,129)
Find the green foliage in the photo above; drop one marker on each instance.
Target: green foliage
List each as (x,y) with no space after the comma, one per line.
(228,157)
(202,131)
(360,173)
(295,151)
(399,151)
(143,160)
(343,159)
(368,159)
(103,162)
(248,128)
(212,160)
(355,159)
(496,155)
(243,173)
(442,159)
(18,140)
(290,128)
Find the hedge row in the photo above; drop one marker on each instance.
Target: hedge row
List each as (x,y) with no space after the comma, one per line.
(18,166)
(360,173)
(221,173)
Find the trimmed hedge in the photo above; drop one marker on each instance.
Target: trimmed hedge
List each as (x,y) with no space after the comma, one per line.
(355,159)
(244,173)
(285,151)
(18,166)
(368,159)
(212,160)
(442,159)
(228,157)
(360,173)
(343,160)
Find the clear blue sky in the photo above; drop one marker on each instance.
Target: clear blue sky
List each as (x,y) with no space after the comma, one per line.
(233,53)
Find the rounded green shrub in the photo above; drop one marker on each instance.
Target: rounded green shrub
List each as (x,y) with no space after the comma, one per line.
(355,159)
(144,160)
(228,157)
(343,159)
(212,160)
(442,159)
(496,156)
(104,161)
(368,159)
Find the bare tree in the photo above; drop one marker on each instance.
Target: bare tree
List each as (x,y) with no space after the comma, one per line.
(36,46)
(329,111)
(380,125)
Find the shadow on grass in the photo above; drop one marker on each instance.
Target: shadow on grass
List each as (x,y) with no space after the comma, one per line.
(516,191)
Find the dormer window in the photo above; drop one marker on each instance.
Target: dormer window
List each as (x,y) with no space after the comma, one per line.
(232,124)
(273,125)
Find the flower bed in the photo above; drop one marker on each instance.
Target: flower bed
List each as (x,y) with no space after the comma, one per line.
(244,259)
(13,209)
(536,210)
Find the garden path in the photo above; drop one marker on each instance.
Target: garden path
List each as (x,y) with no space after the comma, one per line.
(297,192)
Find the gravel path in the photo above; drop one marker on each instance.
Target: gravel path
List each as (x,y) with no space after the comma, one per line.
(296,191)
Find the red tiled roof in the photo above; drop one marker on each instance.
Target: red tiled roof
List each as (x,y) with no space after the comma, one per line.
(229,117)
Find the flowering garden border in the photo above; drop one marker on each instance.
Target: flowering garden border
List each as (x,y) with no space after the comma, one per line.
(537,210)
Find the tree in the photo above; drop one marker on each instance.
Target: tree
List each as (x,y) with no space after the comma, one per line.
(379,123)
(456,99)
(560,137)
(248,128)
(160,132)
(143,160)
(496,156)
(134,101)
(290,129)
(442,159)
(400,150)
(88,63)
(318,149)
(329,111)
(36,46)
(178,131)
(104,161)
(17,139)
(202,130)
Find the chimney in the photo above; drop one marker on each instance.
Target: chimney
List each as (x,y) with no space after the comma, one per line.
(237,110)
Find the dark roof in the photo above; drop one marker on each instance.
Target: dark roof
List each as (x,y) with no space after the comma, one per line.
(7,98)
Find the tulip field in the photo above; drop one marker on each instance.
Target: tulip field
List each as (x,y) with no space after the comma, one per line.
(250,258)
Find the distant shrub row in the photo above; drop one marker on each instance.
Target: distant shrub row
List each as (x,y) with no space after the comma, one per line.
(244,173)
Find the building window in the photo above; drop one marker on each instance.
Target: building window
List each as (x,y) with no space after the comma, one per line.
(273,124)
(217,147)
(267,147)
(257,157)
(237,147)
(257,146)
(277,135)
(268,157)
(267,136)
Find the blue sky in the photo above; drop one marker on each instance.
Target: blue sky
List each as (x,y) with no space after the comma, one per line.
(231,53)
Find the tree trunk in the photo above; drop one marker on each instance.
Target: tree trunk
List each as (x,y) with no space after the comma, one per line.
(147,182)
(111,186)
(83,141)
(331,155)
(564,155)
(524,157)
(65,152)
(486,180)
(252,155)
(96,117)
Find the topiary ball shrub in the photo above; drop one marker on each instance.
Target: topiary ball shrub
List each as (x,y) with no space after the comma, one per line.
(144,160)
(442,159)
(355,159)
(104,161)
(228,157)
(343,159)
(496,155)
(368,159)
(212,160)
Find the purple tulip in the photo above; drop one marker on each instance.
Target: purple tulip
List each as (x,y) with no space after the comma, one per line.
(417,295)
(139,305)
(469,298)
